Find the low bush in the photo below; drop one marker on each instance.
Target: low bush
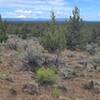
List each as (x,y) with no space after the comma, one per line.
(54,41)
(11,43)
(55,92)
(33,57)
(91,48)
(3,37)
(46,75)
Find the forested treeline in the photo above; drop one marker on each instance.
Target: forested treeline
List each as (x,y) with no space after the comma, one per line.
(73,33)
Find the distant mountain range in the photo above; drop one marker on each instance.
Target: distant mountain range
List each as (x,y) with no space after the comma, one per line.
(32,20)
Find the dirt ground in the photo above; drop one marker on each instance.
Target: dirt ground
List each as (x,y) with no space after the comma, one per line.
(12,81)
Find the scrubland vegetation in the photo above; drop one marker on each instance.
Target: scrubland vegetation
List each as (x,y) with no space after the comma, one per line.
(50,60)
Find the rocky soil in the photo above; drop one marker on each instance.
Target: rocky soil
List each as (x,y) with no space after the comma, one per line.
(79,72)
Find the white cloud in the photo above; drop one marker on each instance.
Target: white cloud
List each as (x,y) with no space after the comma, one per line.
(33,8)
(20,11)
(21,16)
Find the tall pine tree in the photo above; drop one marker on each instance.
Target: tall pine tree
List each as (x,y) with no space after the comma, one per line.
(74,25)
(3,27)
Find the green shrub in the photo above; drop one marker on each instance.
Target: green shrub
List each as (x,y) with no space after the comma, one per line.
(98,40)
(3,27)
(91,48)
(3,38)
(55,92)
(46,75)
(54,41)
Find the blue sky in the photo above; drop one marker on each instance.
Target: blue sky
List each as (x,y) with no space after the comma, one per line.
(89,9)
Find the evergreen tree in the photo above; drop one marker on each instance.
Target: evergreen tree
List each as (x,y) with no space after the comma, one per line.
(52,24)
(94,35)
(24,31)
(3,27)
(74,26)
(54,39)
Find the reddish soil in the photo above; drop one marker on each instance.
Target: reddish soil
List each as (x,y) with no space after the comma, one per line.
(11,89)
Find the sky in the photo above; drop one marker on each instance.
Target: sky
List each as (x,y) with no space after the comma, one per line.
(89,9)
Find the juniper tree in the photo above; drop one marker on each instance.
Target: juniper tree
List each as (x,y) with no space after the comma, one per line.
(94,35)
(74,26)
(3,27)
(54,39)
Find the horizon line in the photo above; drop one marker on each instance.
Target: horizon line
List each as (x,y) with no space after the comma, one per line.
(46,19)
